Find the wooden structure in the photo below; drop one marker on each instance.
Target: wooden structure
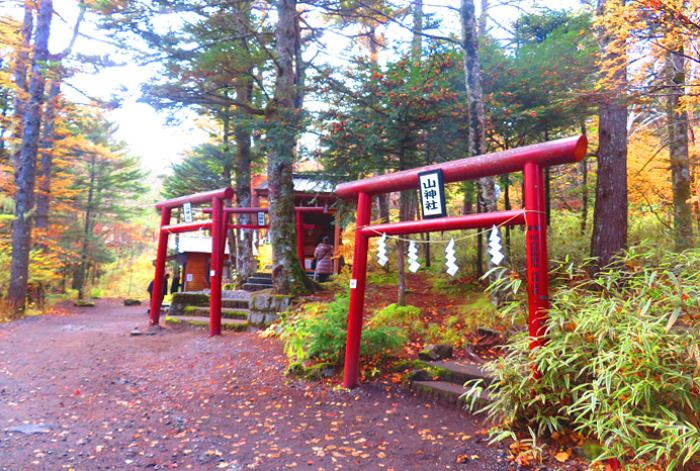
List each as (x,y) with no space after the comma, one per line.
(194,258)
(313,224)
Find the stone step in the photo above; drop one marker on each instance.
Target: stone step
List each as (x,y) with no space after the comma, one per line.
(447,393)
(262,275)
(234,303)
(226,312)
(255,286)
(226,324)
(460,371)
(259,281)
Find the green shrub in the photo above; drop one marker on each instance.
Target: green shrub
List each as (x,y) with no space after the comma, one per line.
(621,365)
(319,331)
(479,313)
(94,293)
(83,303)
(406,318)
(437,333)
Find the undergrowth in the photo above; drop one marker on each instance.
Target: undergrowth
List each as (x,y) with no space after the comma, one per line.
(319,332)
(621,364)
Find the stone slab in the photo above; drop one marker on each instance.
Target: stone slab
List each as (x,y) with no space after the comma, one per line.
(226,312)
(447,393)
(226,324)
(461,371)
(255,287)
(30,429)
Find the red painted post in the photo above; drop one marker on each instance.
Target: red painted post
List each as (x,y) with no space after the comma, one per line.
(198,198)
(512,217)
(537,260)
(247,226)
(546,154)
(226,217)
(215,273)
(186,227)
(162,253)
(238,210)
(357,292)
(300,237)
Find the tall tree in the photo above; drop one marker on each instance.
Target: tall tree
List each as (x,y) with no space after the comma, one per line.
(51,112)
(10,38)
(105,179)
(370,16)
(20,68)
(486,187)
(396,117)
(610,211)
(284,123)
(24,195)
(677,122)
(199,171)
(233,93)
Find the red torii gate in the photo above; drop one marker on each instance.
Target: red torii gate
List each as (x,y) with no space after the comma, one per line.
(218,226)
(298,210)
(216,197)
(530,159)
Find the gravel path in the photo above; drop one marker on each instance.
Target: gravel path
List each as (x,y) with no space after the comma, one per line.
(79,392)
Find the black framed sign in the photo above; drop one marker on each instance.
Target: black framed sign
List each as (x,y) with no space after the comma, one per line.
(187,211)
(261,218)
(432,194)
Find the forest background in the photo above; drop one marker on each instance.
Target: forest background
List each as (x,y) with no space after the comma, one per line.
(416,84)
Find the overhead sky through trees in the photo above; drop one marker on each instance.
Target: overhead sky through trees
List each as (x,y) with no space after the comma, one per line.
(148,133)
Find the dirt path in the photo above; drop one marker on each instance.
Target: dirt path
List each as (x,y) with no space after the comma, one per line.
(78,392)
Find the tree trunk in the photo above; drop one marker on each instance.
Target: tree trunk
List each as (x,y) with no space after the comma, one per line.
(610,211)
(483,17)
(81,270)
(417,44)
(288,275)
(244,249)
(20,78)
(677,117)
(479,262)
(24,195)
(43,198)
(405,214)
(583,168)
(486,187)
(477,117)
(231,240)
(44,195)
(383,199)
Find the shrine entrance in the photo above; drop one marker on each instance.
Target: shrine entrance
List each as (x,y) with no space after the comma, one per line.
(531,160)
(218,225)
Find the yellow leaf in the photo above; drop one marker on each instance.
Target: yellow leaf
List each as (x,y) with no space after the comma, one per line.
(562,456)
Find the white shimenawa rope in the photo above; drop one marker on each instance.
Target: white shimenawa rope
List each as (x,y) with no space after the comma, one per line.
(469,236)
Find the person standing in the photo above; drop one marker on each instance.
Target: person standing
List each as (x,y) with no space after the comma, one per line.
(324,260)
(150,296)
(150,291)
(175,287)
(165,286)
